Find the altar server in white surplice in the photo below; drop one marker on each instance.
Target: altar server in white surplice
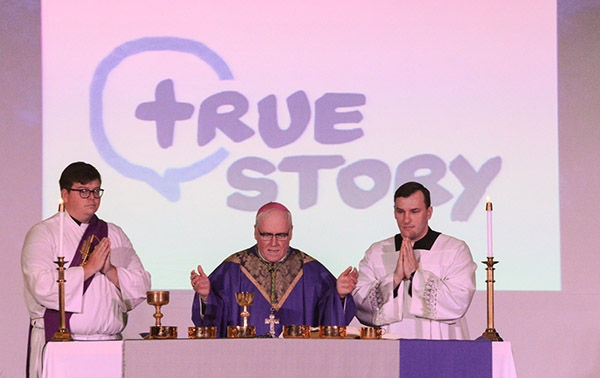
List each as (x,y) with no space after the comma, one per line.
(104,276)
(418,283)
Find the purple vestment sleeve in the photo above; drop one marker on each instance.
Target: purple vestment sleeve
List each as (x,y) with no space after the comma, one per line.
(349,309)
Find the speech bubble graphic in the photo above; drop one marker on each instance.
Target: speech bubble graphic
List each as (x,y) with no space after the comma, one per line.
(168,184)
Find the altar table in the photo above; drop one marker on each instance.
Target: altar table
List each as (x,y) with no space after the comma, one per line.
(256,358)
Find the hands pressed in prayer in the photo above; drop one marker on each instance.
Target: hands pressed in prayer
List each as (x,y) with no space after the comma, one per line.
(99,261)
(346,282)
(407,262)
(200,283)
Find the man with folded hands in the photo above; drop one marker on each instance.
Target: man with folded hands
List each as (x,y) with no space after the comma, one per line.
(418,283)
(104,276)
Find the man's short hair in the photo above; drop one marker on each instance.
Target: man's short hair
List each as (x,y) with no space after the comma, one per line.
(78,172)
(407,189)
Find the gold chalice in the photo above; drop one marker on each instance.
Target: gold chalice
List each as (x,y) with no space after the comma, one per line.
(244,299)
(158,331)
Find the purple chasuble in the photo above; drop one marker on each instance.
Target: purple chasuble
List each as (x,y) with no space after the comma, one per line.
(299,289)
(97,229)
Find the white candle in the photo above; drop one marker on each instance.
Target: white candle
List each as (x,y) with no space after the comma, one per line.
(61,226)
(488,209)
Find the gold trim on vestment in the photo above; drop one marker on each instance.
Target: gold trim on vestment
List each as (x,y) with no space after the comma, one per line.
(287,273)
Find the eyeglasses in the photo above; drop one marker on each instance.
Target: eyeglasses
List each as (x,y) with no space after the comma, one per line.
(85,193)
(267,236)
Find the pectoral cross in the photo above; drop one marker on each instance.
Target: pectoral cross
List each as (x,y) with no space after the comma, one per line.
(271,321)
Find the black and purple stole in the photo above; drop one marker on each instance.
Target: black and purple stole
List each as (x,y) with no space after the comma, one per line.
(98,228)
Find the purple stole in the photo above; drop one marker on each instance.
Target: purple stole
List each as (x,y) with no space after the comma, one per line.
(96,227)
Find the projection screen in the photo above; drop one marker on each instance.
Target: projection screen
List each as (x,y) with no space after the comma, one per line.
(197,113)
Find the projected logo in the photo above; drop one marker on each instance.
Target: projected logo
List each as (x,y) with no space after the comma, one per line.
(165,111)
(331,109)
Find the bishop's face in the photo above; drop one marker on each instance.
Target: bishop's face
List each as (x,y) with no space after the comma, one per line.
(412,216)
(273,233)
(80,208)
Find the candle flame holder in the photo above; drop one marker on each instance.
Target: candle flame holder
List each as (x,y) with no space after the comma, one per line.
(490,332)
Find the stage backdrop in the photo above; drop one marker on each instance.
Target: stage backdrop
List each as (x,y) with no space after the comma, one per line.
(198,113)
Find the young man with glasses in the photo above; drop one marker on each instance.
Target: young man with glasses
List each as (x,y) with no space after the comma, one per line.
(104,276)
(287,283)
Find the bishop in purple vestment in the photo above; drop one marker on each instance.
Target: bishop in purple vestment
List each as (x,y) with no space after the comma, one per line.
(287,282)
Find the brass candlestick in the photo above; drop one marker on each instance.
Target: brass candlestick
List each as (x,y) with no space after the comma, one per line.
(62,334)
(490,332)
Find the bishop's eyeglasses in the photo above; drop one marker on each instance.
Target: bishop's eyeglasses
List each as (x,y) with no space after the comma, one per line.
(85,193)
(267,236)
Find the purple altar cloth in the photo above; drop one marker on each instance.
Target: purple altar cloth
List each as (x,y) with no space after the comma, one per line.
(445,358)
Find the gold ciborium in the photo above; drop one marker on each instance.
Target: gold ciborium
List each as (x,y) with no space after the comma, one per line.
(296,331)
(332,332)
(158,331)
(244,299)
(205,332)
(371,333)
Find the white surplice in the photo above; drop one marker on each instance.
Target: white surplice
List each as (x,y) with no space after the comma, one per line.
(441,292)
(100,313)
